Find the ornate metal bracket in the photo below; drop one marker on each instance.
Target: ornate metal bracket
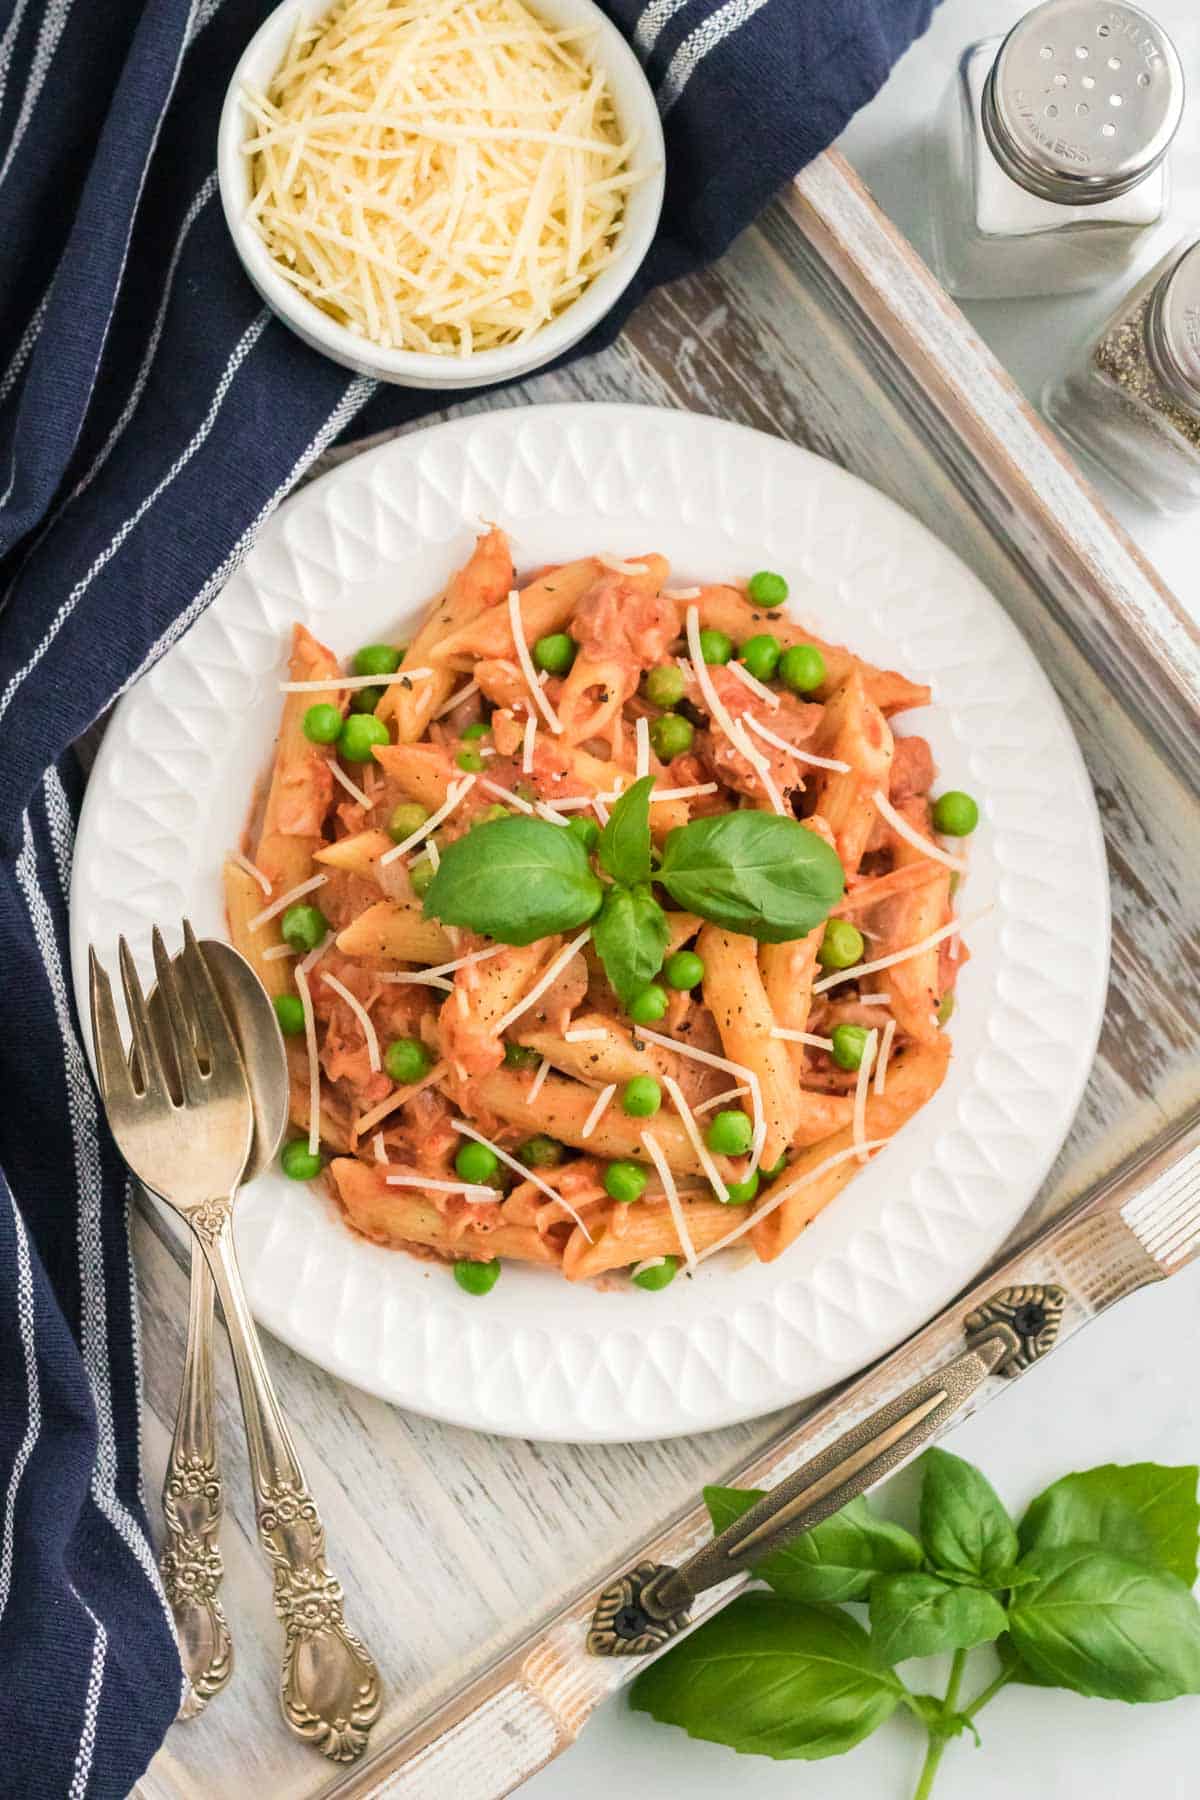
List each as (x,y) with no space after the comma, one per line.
(639,1613)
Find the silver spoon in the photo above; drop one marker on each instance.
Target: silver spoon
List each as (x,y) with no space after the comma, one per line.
(193,1488)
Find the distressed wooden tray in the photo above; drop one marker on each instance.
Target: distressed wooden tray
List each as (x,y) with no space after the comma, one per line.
(464,1557)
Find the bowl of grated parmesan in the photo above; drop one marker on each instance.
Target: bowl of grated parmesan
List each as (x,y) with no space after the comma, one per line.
(440,193)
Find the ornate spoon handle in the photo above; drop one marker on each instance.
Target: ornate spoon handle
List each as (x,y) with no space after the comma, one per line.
(193,1506)
(329,1685)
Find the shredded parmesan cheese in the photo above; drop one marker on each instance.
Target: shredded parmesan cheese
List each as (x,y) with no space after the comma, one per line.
(897,956)
(688,593)
(350,682)
(719,1099)
(600,810)
(801,1037)
(439,177)
(539,1080)
(379,1147)
(655,1152)
(476,1189)
(539,987)
(314,1066)
(243,862)
(683,793)
(351,787)
(753,683)
(734,730)
(531,726)
(641,735)
(518,1168)
(719,1062)
(874,999)
(505,794)
(804,756)
(362,1015)
(369,1120)
(720,1186)
(417,977)
(457,699)
(902,828)
(786,1192)
(622,568)
(526,661)
(456,794)
(885,1051)
(860,1093)
(285,900)
(598,1111)
(582,1034)
(277,952)
(434,855)
(651,1262)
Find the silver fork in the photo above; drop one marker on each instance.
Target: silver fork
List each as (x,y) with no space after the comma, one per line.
(181,1115)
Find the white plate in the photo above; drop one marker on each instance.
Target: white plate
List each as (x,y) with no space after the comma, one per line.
(356,556)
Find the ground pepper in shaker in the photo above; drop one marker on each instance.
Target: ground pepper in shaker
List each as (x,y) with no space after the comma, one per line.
(1047,163)
(1131,396)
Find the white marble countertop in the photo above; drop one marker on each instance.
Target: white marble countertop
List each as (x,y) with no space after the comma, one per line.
(1125,1391)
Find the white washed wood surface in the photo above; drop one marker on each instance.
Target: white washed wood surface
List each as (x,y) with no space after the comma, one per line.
(453,1546)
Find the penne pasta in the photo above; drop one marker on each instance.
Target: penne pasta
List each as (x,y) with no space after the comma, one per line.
(301,789)
(402,1216)
(546,606)
(483,582)
(562,1110)
(632,1234)
(393,932)
(737,999)
(243,899)
(854,731)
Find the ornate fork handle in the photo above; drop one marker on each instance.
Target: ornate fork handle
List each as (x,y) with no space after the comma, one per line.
(329,1685)
(193,1507)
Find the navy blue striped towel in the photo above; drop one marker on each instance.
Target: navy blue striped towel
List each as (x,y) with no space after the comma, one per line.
(151,417)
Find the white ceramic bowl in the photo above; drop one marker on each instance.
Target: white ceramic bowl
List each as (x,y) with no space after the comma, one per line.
(637,111)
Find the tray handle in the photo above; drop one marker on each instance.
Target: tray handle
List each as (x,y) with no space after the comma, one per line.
(644,1608)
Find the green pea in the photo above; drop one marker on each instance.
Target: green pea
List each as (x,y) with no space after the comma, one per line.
(586,830)
(290,1014)
(420,876)
(767,589)
(555,653)
(365,700)
(520,1056)
(945,1011)
(660,1276)
(322,724)
(303,927)
(642,1097)
(541,1152)
(683,970)
(359,735)
(299,1163)
(475,1162)
(849,1043)
(377,659)
(649,1005)
(671,735)
(776,1169)
(664,686)
(955,814)
(802,668)
(406,1060)
(716,646)
(761,655)
(841,946)
(406,818)
(477,730)
(730,1134)
(493,812)
(624,1181)
(477,1277)
(739,1192)
(470,760)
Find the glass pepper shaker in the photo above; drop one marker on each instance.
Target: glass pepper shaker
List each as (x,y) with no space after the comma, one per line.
(1131,397)
(1047,162)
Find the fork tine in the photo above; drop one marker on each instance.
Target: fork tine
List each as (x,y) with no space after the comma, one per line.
(183,1043)
(144,1043)
(112,1067)
(207,1008)
(165,1017)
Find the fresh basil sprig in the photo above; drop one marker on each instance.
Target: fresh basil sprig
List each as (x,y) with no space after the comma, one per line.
(518,879)
(1091,1592)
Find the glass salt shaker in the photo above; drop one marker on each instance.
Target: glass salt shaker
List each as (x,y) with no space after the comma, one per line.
(1131,398)
(1047,162)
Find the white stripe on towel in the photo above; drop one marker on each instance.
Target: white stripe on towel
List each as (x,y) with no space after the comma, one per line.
(700,43)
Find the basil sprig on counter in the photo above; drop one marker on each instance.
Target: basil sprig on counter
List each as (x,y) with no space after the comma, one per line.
(1091,1592)
(518,879)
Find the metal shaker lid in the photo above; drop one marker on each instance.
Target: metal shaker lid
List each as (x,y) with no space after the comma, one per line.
(1173,329)
(1082,100)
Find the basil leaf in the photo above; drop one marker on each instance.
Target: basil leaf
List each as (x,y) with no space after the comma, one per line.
(1143,1512)
(630,936)
(833,1562)
(1100,1625)
(515,880)
(752,872)
(919,1615)
(772,1679)
(624,845)
(964,1526)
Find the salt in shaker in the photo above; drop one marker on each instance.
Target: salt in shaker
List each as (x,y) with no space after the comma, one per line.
(1131,396)
(1047,165)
